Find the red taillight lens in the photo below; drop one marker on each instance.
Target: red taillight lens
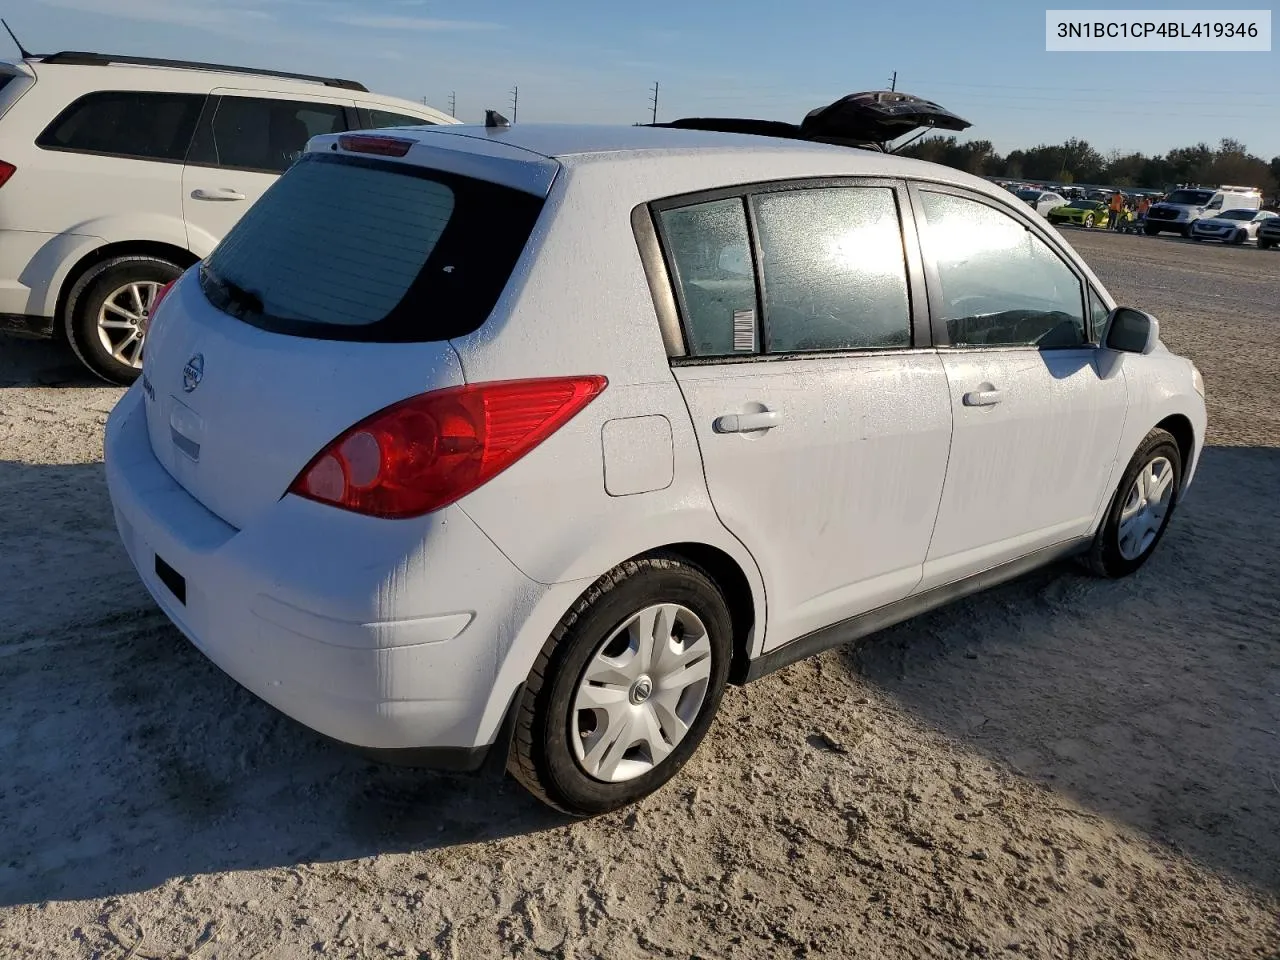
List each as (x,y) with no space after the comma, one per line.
(426,452)
(155,305)
(379,146)
(7,170)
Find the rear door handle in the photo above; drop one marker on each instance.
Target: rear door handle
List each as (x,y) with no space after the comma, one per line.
(983,398)
(747,422)
(219,193)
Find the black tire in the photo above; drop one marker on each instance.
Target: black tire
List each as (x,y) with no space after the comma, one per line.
(1237,238)
(1104,558)
(1089,222)
(1265,244)
(86,300)
(1152,231)
(542,758)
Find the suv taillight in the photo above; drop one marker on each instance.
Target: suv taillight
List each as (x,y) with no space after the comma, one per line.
(7,170)
(426,452)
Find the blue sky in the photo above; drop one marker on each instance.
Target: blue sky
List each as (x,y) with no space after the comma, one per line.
(596,61)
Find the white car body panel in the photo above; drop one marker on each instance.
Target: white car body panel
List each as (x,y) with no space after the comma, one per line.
(1016,479)
(838,501)
(416,633)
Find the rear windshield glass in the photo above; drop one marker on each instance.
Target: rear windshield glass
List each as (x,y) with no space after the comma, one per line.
(357,249)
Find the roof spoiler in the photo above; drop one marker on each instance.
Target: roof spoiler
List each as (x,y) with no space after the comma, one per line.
(872,120)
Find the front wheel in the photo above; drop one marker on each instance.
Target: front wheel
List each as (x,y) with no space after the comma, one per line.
(1088,222)
(1237,238)
(107,312)
(625,688)
(1265,244)
(1141,509)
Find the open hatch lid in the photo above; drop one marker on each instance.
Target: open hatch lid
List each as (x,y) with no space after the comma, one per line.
(874,119)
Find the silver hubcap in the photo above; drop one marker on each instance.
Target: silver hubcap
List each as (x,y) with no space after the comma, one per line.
(1145,508)
(122,321)
(640,693)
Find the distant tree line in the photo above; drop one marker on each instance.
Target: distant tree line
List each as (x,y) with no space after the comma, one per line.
(1077,162)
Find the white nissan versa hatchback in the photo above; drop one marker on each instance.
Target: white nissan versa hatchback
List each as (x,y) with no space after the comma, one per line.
(523,441)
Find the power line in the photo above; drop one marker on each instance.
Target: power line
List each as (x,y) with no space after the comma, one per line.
(515,104)
(655,101)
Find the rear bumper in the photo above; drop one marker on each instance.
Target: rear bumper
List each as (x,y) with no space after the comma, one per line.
(384,635)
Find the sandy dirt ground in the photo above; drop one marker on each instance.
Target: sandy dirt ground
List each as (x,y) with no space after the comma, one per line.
(1060,768)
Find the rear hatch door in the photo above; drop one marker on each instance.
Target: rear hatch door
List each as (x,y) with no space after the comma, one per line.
(335,296)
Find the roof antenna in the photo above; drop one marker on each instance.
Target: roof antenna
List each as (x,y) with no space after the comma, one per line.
(26,54)
(493,119)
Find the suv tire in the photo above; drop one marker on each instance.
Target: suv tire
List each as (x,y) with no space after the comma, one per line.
(105,292)
(544,757)
(1157,457)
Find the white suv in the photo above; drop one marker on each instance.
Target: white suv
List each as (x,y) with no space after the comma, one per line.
(117,173)
(523,441)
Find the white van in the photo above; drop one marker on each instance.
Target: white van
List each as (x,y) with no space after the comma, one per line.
(120,172)
(1183,207)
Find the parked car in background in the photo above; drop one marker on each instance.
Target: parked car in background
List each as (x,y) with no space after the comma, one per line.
(1081,213)
(1230,226)
(1269,233)
(510,502)
(1177,212)
(117,173)
(1041,201)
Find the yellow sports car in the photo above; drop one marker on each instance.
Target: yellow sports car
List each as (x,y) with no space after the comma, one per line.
(1082,213)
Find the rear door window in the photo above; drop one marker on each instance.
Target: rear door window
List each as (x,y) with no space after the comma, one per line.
(379,119)
(260,134)
(358,249)
(835,273)
(122,123)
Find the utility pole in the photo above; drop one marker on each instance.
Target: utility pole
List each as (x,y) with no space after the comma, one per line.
(654,100)
(453,104)
(893,84)
(515,103)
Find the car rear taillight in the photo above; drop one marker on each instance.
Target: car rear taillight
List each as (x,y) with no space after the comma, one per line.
(155,305)
(7,170)
(426,452)
(378,146)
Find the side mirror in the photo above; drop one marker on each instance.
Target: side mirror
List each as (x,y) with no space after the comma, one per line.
(1132,331)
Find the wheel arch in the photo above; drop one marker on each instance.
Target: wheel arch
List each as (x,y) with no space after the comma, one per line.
(179,256)
(728,575)
(1184,434)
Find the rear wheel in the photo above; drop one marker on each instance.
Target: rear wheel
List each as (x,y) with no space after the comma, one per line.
(1088,221)
(625,688)
(1151,231)
(107,312)
(1141,509)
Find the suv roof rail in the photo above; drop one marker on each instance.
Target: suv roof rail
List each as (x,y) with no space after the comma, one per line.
(871,120)
(82,59)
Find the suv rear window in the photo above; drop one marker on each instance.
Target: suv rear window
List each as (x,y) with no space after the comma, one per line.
(123,123)
(343,248)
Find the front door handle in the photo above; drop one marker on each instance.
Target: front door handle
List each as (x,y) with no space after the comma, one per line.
(747,422)
(220,193)
(983,398)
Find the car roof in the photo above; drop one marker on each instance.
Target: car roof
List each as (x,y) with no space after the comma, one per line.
(93,71)
(574,144)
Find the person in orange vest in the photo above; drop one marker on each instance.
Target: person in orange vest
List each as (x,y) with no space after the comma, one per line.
(1117,208)
(1143,206)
